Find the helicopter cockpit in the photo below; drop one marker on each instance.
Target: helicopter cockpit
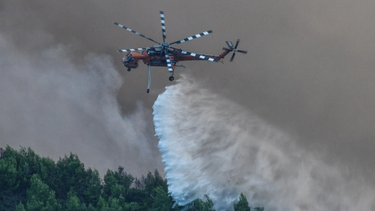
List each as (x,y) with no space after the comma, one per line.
(129,61)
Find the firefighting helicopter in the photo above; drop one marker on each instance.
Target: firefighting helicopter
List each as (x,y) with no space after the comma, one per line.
(163,54)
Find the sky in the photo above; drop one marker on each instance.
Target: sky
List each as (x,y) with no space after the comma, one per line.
(309,72)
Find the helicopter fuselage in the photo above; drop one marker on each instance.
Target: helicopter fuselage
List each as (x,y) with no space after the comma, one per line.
(154,56)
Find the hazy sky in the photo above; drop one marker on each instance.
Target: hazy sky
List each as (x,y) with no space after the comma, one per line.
(309,70)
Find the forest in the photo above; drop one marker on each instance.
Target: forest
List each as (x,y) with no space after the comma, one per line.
(29,182)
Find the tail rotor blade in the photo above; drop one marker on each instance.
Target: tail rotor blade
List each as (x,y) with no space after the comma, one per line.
(137,33)
(237,43)
(163,25)
(230,44)
(231,59)
(192,37)
(241,51)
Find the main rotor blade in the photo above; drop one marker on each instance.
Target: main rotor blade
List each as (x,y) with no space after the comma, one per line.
(237,43)
(169,62)
(231,59)
(131,49)
(198,55)
(163,25)
(192,37)
(137,33)
(241,51)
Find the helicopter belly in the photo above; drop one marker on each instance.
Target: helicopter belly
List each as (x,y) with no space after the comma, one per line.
(157,63)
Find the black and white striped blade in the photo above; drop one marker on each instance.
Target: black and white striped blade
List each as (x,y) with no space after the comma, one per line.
(198,56)
(169,63)
(163,25)
(230,44)
(137,33)
(131,49)
(192,37)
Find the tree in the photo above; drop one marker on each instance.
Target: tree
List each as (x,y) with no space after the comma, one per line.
(40,197)
(8,183)
(162,201)
(114,204)
(201,205)
(94,187)
(153,181)
(91,208)
(20,207)
(72,175)
(116,183)
(242,204)
(102,205)
(73,203)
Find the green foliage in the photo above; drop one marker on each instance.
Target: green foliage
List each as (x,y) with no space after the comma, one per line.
(242,204)
(73,203)
(201,205)
(162,201)
(94,187)
(20,207)
(8,182)
(153,181)
(117,183)
(40,197)
(91,208)
(29,182)
(72,176)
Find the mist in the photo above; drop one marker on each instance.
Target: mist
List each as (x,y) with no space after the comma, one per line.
(213,146)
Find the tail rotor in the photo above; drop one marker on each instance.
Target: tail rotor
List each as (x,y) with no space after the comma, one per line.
(233,48)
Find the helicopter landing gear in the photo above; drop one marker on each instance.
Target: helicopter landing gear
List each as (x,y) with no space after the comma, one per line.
(129,69)
(171,78)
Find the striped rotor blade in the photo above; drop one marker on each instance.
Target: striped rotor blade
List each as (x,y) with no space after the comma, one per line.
(169,63)
(163,25)
(192,37)
(131,49)
(137,33)
(199,56)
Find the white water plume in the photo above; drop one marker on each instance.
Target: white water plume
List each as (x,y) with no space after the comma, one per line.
(212,146)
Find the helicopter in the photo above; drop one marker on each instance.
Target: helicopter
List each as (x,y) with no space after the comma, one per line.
(163,54)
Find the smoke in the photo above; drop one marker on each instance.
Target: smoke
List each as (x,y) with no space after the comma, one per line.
(57,106)
(213,146)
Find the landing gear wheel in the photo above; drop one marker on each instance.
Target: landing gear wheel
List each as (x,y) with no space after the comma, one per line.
(129,69)
(171,78)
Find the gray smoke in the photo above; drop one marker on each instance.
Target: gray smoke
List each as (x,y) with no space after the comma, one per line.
(56,107)
(213,146)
